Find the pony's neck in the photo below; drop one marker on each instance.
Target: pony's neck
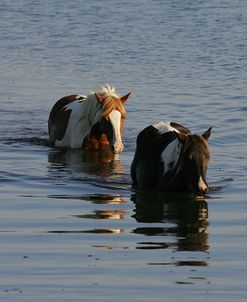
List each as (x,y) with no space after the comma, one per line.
(91,112)
(87,112)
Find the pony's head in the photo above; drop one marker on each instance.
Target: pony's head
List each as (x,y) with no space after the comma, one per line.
(193,162)
(111,125)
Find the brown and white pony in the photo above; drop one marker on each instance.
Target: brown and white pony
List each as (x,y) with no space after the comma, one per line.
(92,122)
(169,158)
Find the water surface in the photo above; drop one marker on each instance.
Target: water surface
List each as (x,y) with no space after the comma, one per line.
(71,227)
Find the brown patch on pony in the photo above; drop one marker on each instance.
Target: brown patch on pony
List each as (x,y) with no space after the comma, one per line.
(93,144)
(103,142)
(98,144)
(60,104)
(58,119)
(59,124)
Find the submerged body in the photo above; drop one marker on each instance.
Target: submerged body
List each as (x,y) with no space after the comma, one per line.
(90,122)
(169,158)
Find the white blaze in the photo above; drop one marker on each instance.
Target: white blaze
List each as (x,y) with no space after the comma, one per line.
(201,184)
(115,119)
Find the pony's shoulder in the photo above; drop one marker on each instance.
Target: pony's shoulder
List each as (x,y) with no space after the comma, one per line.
(149,133)
(154,139)
(64,101)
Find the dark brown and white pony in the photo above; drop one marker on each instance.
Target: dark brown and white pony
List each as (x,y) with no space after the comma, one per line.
(169,158)
(92,122)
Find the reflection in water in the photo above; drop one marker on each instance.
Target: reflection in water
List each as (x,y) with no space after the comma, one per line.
(104,214)
(97,168)
(94,231)
(111,247)
(93,198)
(98,214)
(107,199)
(103,163)
(185,220)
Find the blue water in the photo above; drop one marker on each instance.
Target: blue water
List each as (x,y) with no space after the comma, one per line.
(71,228)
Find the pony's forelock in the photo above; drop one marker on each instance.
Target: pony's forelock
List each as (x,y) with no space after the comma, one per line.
(106,90)
(111,101)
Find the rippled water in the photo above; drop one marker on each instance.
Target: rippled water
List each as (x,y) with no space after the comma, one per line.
(71,228)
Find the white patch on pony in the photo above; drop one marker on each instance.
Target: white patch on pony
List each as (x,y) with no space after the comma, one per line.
(164,127)
(170,155)
(115,119)
(201,184)
(81,97)
(83,116)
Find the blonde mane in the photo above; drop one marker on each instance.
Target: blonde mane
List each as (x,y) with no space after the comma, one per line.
(111,101)
(106,90)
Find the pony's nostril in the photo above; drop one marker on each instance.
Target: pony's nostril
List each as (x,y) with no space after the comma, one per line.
(117,149)
(114,149)
(200,192)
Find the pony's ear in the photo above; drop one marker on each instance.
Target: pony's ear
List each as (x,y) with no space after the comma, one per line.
(125,97)
(207,134)
(180,136)
(99,97)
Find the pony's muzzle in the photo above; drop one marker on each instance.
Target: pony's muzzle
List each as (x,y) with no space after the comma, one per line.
(117,148)
(202,187)
(200,193)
